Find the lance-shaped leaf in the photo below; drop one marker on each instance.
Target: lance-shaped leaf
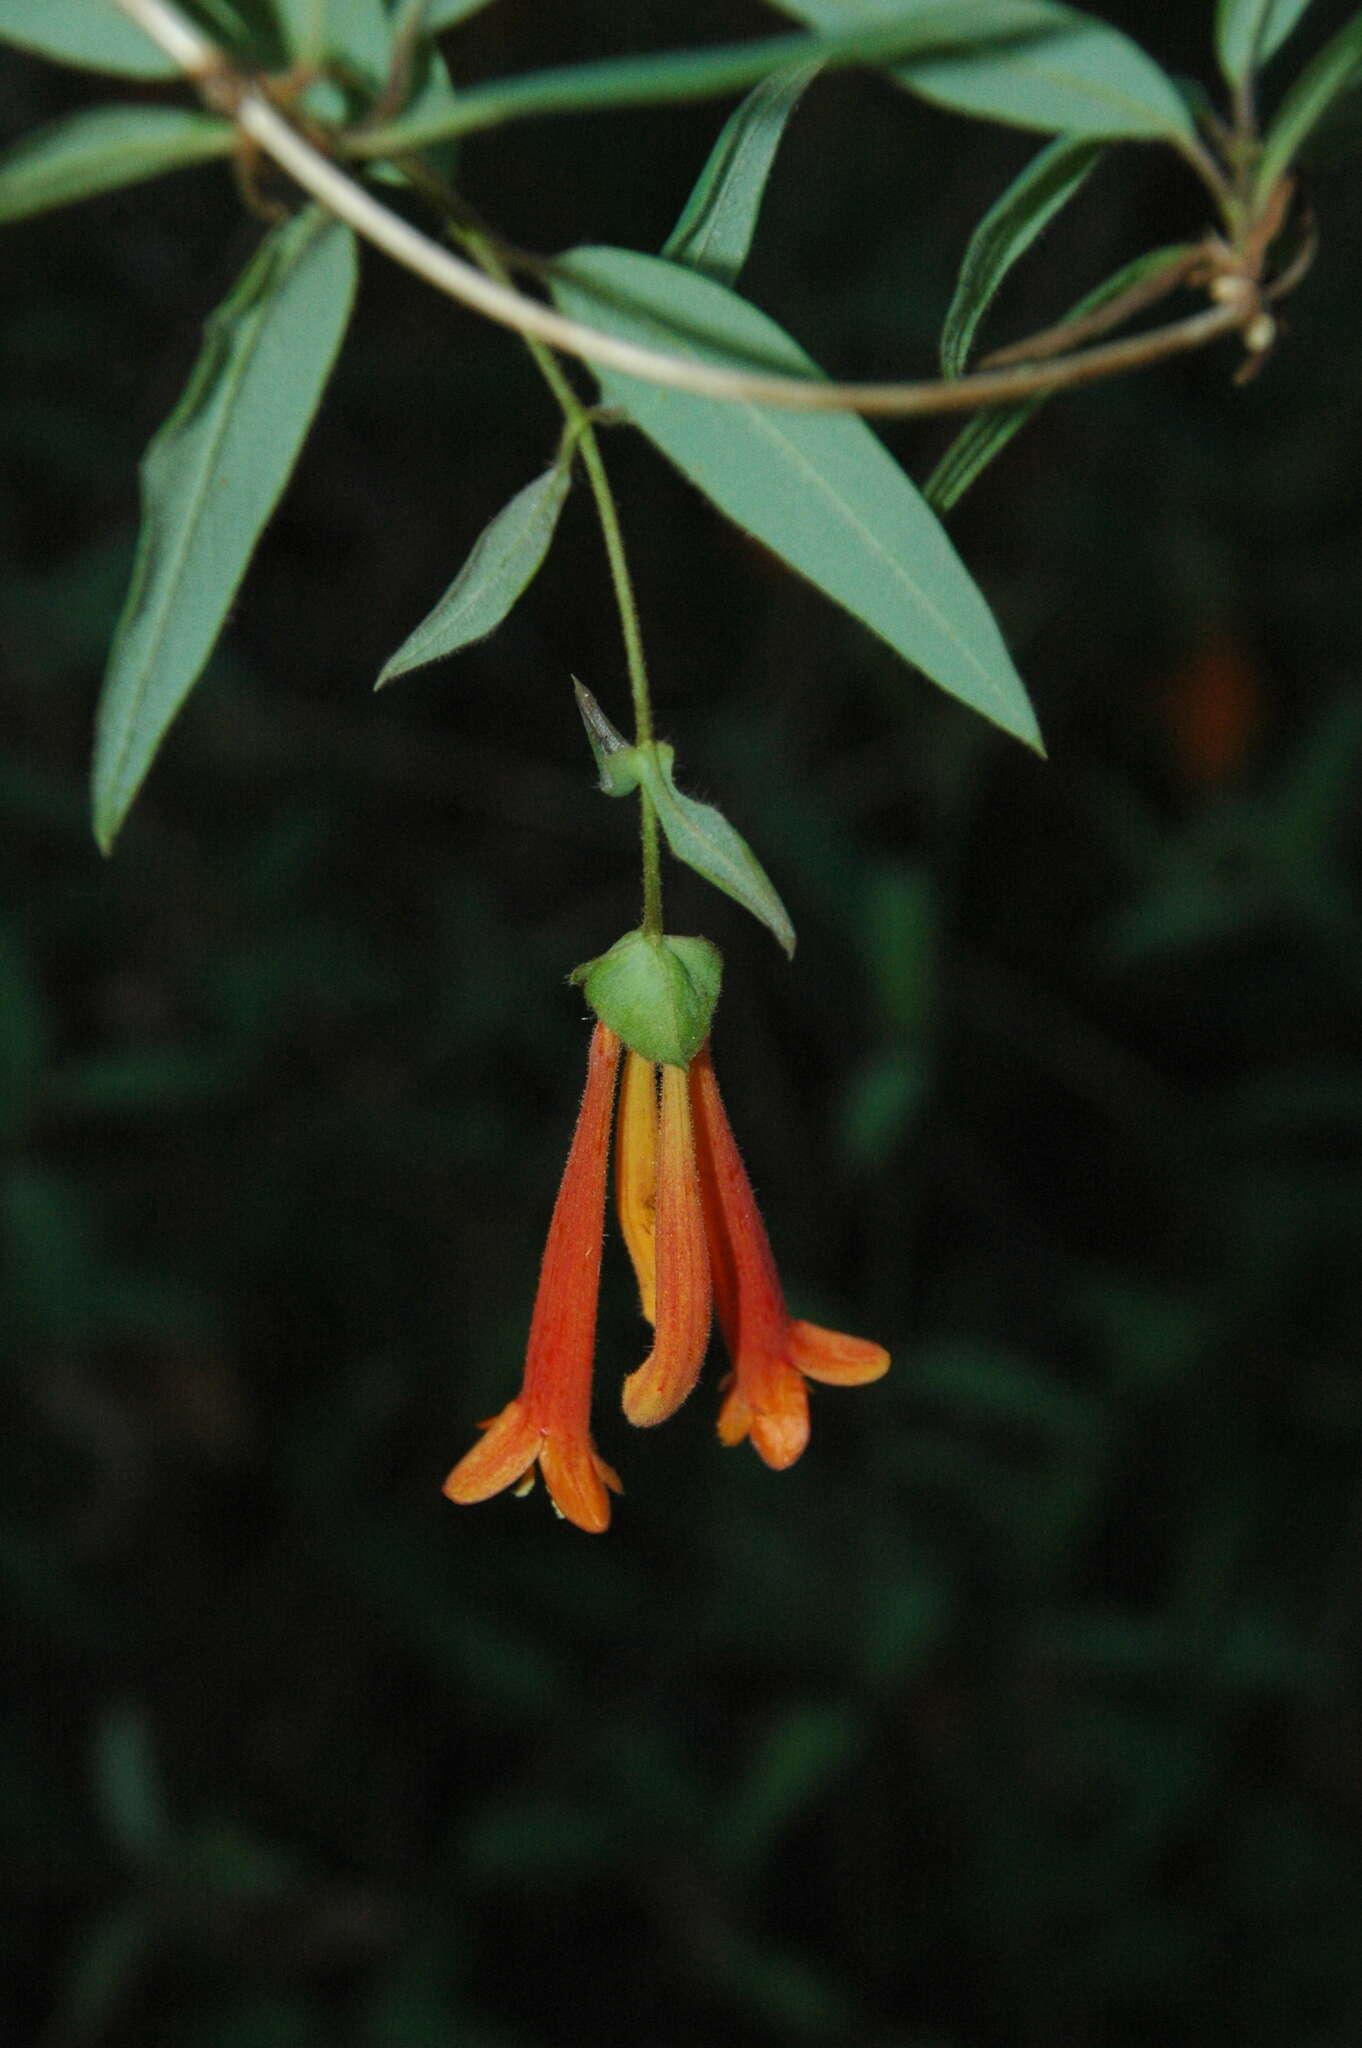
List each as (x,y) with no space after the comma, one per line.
(210,479)
(1029,62)
(1248,32)
(505,560)
(818,489)
(703,838)
(99,38)
(988,432)
(1335,71)
(102,149)
(716,227)
(1005,234)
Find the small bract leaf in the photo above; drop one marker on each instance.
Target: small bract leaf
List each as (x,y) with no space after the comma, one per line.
(657,994)
(716,227)
(75,32)
(210,480)
(819,489)
(1248,32)
(616,760)
(703,838)
(1026,61)
(103,149)
(505,560)
(1005,234)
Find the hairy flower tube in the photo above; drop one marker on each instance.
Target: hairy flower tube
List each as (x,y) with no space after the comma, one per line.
(549,1421)
(772,1353)
(663,1220)
(693,1231)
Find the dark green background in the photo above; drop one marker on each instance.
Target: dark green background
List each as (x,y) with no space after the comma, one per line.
(1024,1710)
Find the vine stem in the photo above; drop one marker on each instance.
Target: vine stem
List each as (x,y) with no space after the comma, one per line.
(229,92)
(583,433)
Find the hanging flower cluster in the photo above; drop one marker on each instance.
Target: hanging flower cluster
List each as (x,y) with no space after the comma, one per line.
(695,1235)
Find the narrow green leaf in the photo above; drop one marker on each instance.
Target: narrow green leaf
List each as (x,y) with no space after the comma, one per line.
(868,35)
(1029,62)
(715,230)
(102,149)
(1336,69)
(210,479)
(98,38)
(703,838)
(988,433)
(819,489)
(1005,234)
(1248,32)
(505,560)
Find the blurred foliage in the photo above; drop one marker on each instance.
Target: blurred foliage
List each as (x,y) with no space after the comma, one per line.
(1026,1708)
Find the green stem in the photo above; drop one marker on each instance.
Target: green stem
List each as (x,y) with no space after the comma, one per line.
(481,248)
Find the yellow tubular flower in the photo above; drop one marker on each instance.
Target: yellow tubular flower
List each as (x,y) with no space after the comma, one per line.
(672,1367)
(636,1174)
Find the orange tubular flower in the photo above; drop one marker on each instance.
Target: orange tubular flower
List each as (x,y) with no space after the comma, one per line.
(669,1257)
(773,1355)
(550,1419)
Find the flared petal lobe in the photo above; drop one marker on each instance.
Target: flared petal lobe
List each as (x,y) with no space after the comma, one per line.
(503,1454)
(773,1355)
(672,1367)
(550,1419)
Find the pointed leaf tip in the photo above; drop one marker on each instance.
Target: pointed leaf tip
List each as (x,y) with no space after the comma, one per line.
(702,837)
(211,477)
(819,489)
(616,761)
(505,559)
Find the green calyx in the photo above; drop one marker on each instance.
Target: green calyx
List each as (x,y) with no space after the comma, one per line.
(657,994)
